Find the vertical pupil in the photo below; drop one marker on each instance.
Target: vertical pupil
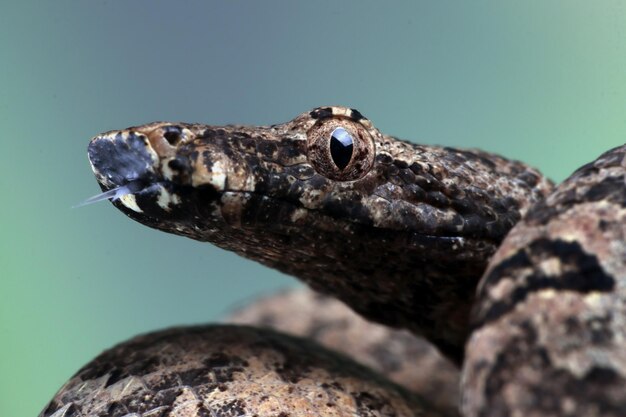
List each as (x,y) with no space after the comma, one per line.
(341,145)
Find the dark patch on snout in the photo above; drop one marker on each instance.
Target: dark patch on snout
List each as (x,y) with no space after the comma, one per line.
(122,159)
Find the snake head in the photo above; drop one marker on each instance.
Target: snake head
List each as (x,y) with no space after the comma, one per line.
(191,179)
(399,231)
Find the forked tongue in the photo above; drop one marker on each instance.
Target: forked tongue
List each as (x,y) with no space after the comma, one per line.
(113,194)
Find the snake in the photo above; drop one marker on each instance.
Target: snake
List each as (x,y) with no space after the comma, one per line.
(517,284)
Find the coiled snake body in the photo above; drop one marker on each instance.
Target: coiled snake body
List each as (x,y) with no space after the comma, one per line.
(401,233)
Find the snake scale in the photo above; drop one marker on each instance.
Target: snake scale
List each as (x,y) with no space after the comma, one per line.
(520,284)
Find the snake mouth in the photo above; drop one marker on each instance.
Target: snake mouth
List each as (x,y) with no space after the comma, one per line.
(165,185)
(159,175)
(181,190)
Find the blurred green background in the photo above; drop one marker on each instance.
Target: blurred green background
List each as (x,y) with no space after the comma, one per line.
(540,81)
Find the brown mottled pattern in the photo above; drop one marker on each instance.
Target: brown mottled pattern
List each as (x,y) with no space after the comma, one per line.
(401,233)
(397,354)
(403,241)
(228,371)
(550,321)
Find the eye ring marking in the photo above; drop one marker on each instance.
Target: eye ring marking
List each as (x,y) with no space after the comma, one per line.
(340,148)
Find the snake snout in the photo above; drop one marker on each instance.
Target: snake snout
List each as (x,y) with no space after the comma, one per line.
(128,167)
(121,157)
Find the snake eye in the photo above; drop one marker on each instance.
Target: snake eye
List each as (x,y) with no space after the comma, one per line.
(340,148)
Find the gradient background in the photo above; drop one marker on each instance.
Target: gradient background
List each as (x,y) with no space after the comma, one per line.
(540,81)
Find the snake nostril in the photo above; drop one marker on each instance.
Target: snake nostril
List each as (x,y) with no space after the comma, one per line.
(172,134)
(177,164)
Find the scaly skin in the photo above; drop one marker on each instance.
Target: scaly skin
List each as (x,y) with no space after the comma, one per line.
(549,333)
(398,355)
(229,371)
(401,235)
